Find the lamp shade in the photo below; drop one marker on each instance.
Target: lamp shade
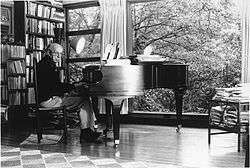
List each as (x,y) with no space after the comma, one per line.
(78,44)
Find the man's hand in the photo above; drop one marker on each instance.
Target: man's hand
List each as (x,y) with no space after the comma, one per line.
(81,88)
(81,85)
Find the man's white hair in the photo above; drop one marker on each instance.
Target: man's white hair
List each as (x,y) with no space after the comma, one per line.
(54,47)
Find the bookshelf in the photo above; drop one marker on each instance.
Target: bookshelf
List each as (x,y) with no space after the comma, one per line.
(13,84)
(35,25)
(4,90)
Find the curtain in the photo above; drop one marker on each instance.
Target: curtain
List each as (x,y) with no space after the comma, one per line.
(245,23)
(116,28)
(116,25)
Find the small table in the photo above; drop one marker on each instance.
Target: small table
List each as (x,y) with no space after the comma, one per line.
(238,104)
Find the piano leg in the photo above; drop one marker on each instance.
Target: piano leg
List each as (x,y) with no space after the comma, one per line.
(116,109)
(116,124)
(179,92)
(108,105)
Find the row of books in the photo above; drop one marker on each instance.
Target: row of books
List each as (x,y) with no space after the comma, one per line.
(15,67)
(60,16)
(38,10)
(45,11)
(11,51)
(227,115)
(238,93)
(4,93)
(31,56)
(40,26)
(37,43)
(16,82)
(17,98)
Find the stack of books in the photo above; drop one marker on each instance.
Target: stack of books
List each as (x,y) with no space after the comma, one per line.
(228,115)
(238,93)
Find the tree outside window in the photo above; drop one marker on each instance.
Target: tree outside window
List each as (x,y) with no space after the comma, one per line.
(204,34)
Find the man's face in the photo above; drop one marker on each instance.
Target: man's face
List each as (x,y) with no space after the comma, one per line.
(56,56)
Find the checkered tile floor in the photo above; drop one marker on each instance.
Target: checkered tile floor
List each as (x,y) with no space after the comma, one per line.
(23,158)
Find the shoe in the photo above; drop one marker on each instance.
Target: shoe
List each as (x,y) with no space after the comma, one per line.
(88,135)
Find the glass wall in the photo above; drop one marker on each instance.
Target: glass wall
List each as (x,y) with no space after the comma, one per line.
(204,34)
(92,47)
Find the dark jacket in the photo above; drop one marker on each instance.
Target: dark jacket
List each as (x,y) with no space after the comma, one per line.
(48,80)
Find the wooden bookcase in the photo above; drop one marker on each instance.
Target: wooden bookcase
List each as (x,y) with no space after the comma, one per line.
(4,90)
(13,84)
(35,25)
(13,81)
(16,82)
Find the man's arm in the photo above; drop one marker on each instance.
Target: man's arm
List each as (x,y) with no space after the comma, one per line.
(67,87)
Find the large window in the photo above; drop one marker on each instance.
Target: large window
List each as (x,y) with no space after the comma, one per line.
(204,34)
(83,20)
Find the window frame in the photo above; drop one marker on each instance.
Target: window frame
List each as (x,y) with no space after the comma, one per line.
(69,33)
(10,7)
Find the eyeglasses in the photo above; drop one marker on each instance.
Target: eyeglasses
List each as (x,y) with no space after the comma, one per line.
(56,54)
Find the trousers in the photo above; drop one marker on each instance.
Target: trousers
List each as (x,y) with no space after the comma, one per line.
(83,105)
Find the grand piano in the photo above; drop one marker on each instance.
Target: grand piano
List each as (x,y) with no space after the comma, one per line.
(115,83)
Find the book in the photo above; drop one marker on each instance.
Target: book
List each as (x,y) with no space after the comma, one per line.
(31,9)
(31,95)
(14,98)
(19,67)
(40,10)
(11,68)
(5,54)
(27,75)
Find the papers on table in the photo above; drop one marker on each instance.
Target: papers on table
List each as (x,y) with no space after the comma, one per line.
(239,93)
(151,58)
(121,62)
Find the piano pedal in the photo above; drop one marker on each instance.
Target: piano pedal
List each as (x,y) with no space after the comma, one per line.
(116,143)
(117,152)
(178,129)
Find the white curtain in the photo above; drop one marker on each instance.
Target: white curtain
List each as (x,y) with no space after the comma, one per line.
(116,28)
(245,23)
(116,25)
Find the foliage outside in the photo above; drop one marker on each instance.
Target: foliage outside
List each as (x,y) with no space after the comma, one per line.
(84,19)
(204,34)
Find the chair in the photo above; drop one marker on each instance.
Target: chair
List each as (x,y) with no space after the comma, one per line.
(59,111)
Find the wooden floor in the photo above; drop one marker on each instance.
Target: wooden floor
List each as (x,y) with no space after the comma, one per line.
(158,144)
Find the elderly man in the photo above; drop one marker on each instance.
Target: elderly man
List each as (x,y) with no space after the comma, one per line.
(52,92)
